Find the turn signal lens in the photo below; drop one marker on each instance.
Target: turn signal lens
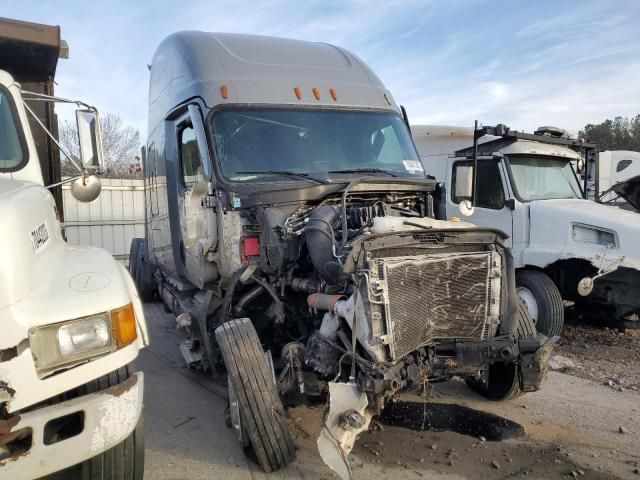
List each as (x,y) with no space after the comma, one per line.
(224,91)
(124,325)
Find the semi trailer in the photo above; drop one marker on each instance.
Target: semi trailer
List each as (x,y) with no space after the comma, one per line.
(72,321)
(294,234)
(565,247)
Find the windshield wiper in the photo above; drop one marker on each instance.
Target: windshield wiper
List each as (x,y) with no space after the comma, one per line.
(286,173)
(364,170)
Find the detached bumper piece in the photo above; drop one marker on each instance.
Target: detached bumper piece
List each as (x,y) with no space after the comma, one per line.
(464,358)
(44,440)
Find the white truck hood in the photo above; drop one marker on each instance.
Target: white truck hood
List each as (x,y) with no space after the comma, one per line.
(552,230)
(43,279)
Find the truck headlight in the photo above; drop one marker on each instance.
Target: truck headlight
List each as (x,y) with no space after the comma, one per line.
(592,234)
(65,344)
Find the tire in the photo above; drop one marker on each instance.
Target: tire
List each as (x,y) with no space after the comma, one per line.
(501,382)
(141,270)
(255,391)
(134,250)
(536,287)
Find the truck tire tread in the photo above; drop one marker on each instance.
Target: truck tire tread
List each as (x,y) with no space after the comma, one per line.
(548,298)
(256,392)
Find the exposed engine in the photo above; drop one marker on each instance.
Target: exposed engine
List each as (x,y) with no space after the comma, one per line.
(363,289)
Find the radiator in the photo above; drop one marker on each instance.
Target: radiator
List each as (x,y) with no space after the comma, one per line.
(432,297)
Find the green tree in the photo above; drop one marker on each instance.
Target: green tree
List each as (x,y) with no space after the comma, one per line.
(621,133)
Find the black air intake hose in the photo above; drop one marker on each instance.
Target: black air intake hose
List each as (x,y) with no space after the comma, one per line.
(321,242)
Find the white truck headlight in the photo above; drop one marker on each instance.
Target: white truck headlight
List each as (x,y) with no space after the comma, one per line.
(83,336)
(592,234)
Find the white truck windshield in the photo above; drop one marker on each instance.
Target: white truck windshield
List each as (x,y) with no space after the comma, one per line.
(11,154)
(262,144)
(540,178)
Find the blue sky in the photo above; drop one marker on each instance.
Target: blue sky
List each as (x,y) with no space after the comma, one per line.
(525,63)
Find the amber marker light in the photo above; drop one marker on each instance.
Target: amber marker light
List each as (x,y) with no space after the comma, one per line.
(123,321)
(334,95)
(298,92)
(316,93)
(224,91)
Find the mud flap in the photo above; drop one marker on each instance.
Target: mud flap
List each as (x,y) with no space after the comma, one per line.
(534,366)
(346,418)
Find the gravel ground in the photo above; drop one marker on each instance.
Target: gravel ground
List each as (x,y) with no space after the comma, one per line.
(603,355)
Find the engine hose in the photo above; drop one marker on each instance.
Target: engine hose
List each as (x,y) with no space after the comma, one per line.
(321,243)
(274,295)
(247,298)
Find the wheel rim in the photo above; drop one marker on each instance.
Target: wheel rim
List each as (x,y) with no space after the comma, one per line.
(236,417)
(529,302)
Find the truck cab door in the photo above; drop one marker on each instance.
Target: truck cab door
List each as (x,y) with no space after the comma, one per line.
(198,229)
(492,208)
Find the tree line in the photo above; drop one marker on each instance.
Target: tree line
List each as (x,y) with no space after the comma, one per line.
(621,133)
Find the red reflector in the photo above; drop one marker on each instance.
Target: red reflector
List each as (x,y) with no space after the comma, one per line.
(251,247)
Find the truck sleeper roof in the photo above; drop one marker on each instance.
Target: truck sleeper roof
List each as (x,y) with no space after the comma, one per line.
(225,68)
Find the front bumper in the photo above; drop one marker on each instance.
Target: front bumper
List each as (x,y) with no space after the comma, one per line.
(108,418)
(467,358)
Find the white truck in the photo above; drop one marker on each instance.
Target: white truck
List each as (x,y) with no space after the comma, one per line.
(564,247)
(72,322)
(616,175)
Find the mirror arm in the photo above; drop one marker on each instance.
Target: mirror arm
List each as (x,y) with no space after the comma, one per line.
(52,137)
(68,180)
(40,97)
(475,164)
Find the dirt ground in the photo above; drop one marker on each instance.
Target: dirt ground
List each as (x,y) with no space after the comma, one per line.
(604,355)
(572,428)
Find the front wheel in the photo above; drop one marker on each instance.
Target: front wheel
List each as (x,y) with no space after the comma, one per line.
(501,381)
(257,413)
(543,301)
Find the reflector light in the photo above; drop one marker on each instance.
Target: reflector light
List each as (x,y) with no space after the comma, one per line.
(124,325)
(250,247)
(224,91)
(334,95)
(316,93)
(298,92)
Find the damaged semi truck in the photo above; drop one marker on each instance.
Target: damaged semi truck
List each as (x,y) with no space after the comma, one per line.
(72,322)
(292,231)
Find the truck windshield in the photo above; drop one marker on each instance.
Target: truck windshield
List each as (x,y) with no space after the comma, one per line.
(539,178)
(11,154)
(279,144)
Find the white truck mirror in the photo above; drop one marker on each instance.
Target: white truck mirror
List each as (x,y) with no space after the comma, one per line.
(90,139)
(463,188)
(464,182)
(86,189)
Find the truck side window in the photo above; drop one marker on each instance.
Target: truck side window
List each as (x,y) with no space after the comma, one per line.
(490,192)
(192,172)
(622,164)
(11,153)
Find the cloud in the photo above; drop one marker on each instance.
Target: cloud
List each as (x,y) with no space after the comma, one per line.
(447,62)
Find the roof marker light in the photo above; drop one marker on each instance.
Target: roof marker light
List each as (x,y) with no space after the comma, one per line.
(316,93)
(334,95)
(224,91)
(298,92)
